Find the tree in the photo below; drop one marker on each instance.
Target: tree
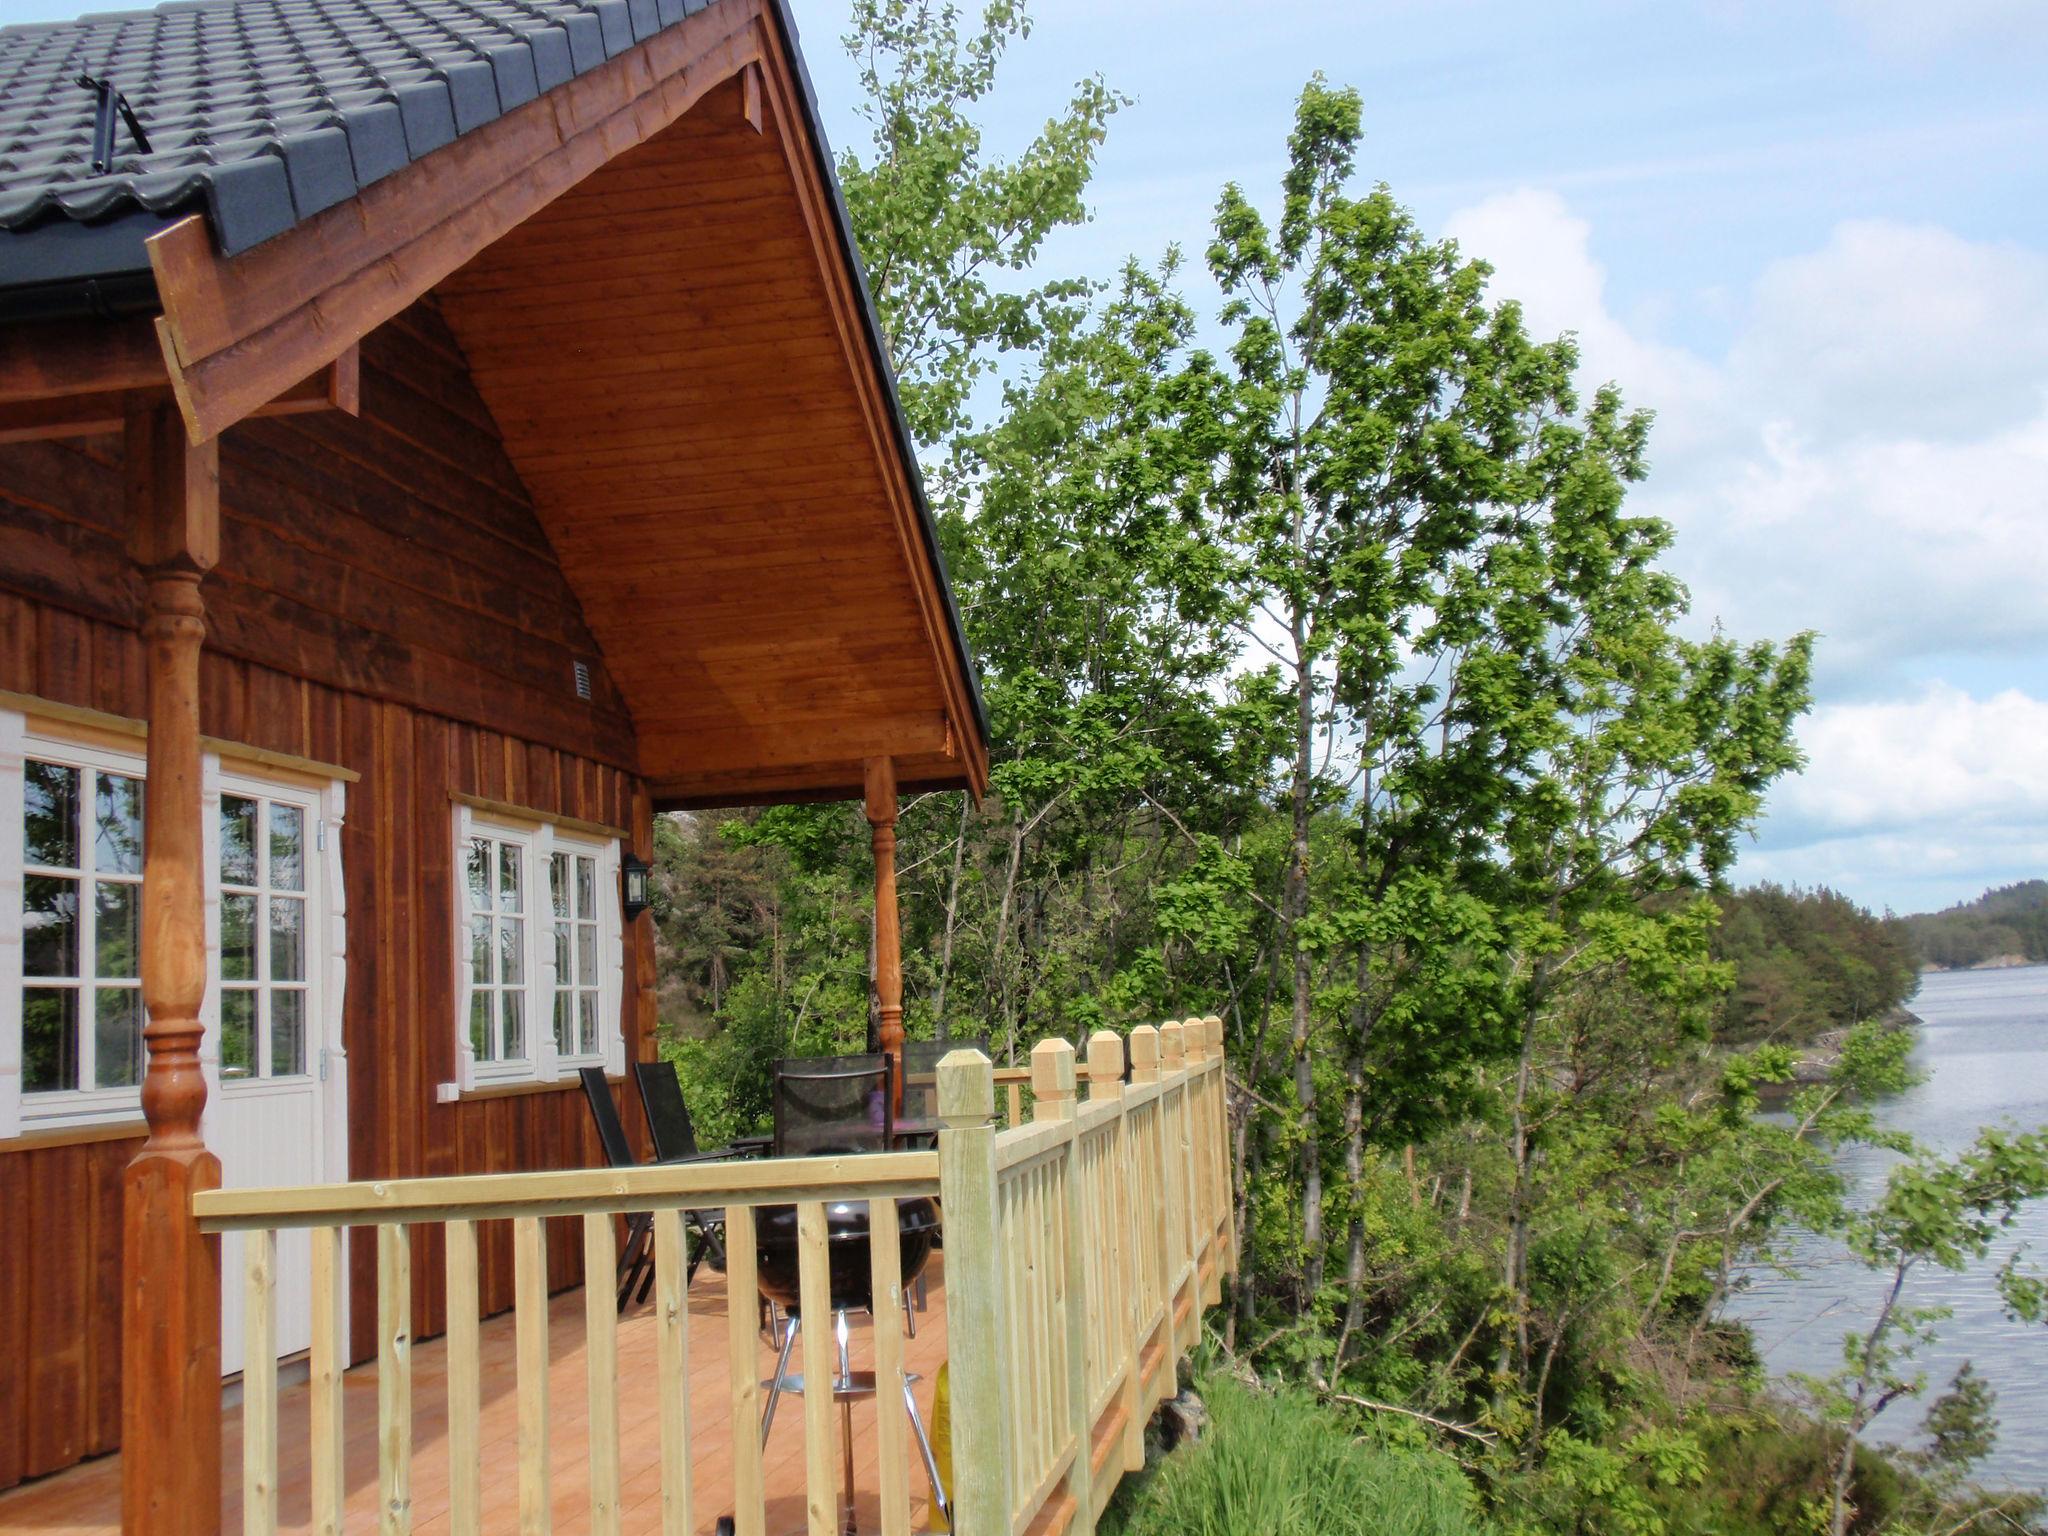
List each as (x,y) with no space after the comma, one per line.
(1943,1212)
(940,224)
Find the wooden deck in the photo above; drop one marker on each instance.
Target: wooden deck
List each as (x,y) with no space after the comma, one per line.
(87,1498)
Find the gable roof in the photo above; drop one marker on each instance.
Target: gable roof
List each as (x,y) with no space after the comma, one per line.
(268,116)
(263,113)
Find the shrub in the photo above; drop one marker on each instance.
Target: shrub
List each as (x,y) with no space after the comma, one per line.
(1280,1462)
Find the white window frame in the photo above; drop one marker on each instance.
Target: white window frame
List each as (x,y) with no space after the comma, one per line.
(539,839)
(322,808)
(324,803)
(20,739)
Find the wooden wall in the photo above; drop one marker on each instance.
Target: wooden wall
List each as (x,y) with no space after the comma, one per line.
(386,602)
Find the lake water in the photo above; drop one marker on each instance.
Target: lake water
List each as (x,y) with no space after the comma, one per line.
(1984,1050)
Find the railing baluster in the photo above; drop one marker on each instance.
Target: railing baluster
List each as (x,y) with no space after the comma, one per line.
(742,1304)
(530,1323)
(601,1362)
(326,1361)
(394,1379)
(821,1437)
(465,1386)
(892,1442)
(672,1365)
(259,1382)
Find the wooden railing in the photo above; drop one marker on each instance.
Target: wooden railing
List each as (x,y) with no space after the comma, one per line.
(1080,1249)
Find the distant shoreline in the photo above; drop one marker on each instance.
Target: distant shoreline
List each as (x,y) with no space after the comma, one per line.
(1995,963)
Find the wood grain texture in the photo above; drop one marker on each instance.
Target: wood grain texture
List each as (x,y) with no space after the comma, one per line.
(413,520)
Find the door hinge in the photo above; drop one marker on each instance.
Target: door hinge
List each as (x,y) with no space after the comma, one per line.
(325,1052)
(320,835)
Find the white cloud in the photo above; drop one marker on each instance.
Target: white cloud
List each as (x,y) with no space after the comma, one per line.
(1894,329)
(1914,804)
(1868,459)
(1941,758)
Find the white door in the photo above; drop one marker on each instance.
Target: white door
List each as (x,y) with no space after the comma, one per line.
(276,1091)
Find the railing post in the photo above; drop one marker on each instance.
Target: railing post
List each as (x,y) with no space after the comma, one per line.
(1226,1218)
(1106,1082)
(1179,1197)
(1144,1048)
(1052,1091)
(974,1310)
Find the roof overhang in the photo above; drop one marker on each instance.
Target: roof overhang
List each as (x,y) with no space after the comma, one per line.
(654,281)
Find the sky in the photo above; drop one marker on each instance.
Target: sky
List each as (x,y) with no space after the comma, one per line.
(1813,237)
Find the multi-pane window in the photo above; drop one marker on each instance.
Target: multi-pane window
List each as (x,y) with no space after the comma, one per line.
(539,955)
(495,877)
(81,927)
(572,892)
(264,936)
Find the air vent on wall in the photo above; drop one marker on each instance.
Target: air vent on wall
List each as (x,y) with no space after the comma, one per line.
(582,679)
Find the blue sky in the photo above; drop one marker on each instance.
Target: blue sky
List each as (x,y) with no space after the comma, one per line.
(1814,237)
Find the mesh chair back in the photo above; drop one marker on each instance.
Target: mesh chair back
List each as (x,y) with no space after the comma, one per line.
(921,1060)
(611,1130)
(668,1117)
(833,1104)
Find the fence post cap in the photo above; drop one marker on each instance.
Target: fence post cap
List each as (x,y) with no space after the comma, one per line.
(967,1089)
(1052,1080)
(1172,1045)
(1105,1064)
(1144,1053)
(1215,1034)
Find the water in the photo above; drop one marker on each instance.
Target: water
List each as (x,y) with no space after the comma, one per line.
(1984,1050)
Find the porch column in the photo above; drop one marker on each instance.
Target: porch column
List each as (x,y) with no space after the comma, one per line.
(881,809)
(170,1272)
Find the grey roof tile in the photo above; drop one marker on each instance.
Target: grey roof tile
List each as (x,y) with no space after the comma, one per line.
(265,112)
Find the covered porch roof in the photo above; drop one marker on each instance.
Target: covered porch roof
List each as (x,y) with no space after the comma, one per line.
(650,274)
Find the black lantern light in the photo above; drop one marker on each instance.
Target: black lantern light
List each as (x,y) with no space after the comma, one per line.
(633,885)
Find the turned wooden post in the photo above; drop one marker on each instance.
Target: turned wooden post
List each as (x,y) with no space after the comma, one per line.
(170,1271)
(881,809)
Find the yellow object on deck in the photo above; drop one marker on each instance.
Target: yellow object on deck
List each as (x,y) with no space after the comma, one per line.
(942,1445)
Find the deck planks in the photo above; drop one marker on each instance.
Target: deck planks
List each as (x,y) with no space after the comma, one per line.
(85,1500)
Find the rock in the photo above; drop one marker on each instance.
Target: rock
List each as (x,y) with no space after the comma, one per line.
(1182,1418)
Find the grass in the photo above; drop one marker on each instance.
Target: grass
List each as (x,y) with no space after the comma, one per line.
(1279,1462)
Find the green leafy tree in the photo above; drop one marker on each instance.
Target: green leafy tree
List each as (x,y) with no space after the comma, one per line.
(1935,1212)
(947,230)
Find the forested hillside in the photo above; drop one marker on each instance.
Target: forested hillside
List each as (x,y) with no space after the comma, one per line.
(1808,961)
(1338,689)
(2009,922)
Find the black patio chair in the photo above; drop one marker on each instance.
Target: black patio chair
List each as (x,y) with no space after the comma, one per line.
(834,1104)
(618,1153)
(675,1141)
(921,1060)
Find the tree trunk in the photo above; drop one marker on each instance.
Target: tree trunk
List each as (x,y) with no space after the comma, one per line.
(1294,907)
(952,917)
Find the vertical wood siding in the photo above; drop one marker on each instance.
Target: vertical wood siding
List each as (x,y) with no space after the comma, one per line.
(386,601)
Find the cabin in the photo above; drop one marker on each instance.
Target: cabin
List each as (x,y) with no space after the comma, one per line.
(436,437)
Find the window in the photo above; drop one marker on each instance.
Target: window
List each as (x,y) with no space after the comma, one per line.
(81,927)
(71,1015)
(572,890)
(539,966)
(496,879)
(264,936)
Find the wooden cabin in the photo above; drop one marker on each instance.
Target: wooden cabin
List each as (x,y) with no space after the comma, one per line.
(434,438)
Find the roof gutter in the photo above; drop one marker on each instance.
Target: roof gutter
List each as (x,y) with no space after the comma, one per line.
(63,270)
(906,445)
